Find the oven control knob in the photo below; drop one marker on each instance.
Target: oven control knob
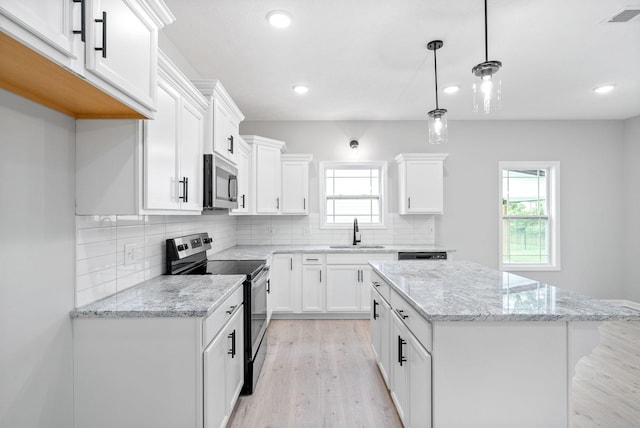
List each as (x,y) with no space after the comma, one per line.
(180,247)
(186,246)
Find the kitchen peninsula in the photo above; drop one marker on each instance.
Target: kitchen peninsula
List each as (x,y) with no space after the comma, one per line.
(456,335)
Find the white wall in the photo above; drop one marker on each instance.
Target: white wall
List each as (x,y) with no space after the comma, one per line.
(630,205)
(36,264)
(590,155)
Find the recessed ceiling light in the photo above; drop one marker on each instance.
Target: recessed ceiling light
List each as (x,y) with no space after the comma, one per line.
(451,89)
(279,18)
(604,89)
(300,89)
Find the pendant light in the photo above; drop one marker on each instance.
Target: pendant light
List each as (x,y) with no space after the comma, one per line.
(438,117)
(487,91)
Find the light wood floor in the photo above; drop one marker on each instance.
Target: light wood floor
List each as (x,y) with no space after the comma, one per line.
(606,386)
(321,373)
(318,373)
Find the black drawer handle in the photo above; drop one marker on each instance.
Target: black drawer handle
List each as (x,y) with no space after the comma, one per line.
(83,24)
(377,284)
(232,351)
(401,314)
(375,307)
(104,34)
(401,358)
(231,309)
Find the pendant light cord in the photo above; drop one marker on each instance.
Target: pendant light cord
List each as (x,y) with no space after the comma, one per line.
(486,36)
(435,66)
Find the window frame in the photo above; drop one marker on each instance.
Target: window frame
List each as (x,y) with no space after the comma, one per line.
(553,214)
(324,165)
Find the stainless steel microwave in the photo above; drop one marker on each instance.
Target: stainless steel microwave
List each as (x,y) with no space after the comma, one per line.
(220,183)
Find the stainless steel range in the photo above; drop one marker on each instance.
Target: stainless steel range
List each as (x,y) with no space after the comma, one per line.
(187,255)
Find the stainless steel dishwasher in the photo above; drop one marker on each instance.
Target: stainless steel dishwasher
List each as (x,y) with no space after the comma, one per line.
(422,255)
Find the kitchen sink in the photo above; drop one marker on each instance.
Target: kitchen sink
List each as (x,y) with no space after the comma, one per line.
(355,247)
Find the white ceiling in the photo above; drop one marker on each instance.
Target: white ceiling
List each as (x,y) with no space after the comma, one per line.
(367,59)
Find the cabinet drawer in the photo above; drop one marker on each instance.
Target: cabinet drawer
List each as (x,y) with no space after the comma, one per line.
(312,259)
(380,286)
(420,327)
(357,258)
(214,322)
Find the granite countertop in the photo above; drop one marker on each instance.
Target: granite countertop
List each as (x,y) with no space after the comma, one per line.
(465,291)
(165,296)
(263,252)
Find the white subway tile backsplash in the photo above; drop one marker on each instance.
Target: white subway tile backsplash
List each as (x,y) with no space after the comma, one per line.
(98,292)
(96,278)
(95,249)
(87,236)
(94,264)
(95,221)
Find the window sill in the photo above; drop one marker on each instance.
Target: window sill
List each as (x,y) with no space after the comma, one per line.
(349,226)
(529,268)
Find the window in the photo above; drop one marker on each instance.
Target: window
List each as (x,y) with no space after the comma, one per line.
(352,190)
(529,220)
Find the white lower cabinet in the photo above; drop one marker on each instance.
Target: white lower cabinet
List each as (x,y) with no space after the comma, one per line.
(285,280)
(223,372)
(381,333)
(314,280)
(159,372)
(343,288)
(402,358)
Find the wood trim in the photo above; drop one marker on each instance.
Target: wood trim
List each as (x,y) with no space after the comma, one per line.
(25,72)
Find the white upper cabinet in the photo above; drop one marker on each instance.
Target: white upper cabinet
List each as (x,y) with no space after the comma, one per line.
(99,57)
(421,183)
(243,161)
(223,119)
(295,183)
(122,47)
(265,186)
(145,167)
(43,24)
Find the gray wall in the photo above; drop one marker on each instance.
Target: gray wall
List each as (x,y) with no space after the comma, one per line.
(37,167)
(590,155)
(630,205)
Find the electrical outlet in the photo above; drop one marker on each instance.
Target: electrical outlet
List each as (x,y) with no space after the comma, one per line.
(129,254)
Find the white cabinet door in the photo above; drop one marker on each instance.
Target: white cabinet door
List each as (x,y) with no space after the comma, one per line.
(285,283)
(295,184)
(49,21)
(214,357)
(424,187)
(191,129)
(234,367)
(343,288)
(128,43)
(380,333)
(313,280)
(225,132)
(244,174)
(420,183)
(267,170)
(399,368)
(419,384)
(160,152)
(223,372)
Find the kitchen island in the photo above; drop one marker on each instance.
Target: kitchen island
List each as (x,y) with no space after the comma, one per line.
(462,345)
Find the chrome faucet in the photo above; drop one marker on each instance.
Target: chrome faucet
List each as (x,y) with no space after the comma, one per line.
(356,232)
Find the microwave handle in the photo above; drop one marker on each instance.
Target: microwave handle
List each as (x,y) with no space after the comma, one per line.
(233,181)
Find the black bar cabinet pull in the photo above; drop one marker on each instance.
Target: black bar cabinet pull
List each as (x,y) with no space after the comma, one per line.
(291,260)
(242,201)
(304,203)
(231,309)
(401,314)
(409,203)
(83,26)
(230,149)
(232,351)
(268,286)
(401,358)
(375,307)
(185,189)
(377,284)
(320,275)
(104,34)
(277,203)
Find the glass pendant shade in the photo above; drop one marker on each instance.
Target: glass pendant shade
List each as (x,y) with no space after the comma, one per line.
(438,130)
(487,94)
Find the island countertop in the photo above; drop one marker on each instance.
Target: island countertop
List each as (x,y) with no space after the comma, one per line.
(165,296)
(466,291)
